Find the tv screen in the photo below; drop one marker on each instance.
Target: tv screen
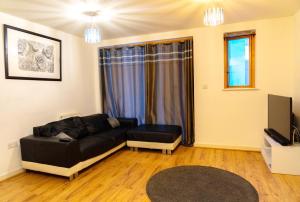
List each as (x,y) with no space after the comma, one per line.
(280,115)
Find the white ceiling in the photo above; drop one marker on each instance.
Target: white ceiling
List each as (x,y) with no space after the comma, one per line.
(135,17)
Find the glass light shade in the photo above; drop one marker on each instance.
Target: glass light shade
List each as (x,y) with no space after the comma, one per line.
(92,34)
(214,16)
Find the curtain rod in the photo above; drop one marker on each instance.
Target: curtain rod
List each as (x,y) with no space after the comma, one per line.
(163,41)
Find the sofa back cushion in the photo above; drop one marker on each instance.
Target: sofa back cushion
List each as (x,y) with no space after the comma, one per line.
(45,131)
(96,123)
(73,127)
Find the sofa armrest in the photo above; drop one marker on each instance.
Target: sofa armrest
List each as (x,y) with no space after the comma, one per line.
(128,122)
(50,151)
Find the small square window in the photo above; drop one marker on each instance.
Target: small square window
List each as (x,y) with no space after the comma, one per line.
(239,59)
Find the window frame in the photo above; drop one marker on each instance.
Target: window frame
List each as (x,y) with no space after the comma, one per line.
(240,35)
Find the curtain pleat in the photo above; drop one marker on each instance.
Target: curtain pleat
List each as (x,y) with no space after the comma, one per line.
(150,72)
(188,64)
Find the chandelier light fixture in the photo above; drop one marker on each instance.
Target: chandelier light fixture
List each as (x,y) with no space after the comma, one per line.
(214,16)
(92,33)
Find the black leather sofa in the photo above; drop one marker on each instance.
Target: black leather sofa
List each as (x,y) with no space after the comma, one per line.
(93,138)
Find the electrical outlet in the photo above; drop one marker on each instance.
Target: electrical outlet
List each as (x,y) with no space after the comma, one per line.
(12,145)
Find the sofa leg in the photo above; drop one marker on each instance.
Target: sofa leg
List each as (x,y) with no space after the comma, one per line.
(164,151)
(71,177)
(169,151)
(76,175)
(134,149)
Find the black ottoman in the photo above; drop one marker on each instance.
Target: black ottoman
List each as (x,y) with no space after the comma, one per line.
(164,137)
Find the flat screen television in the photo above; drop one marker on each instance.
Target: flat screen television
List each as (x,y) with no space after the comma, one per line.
(280,118)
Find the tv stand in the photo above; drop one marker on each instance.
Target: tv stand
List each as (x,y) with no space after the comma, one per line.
(281,159)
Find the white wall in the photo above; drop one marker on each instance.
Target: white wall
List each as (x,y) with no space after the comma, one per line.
(24,104)
(296,96)
(234,118)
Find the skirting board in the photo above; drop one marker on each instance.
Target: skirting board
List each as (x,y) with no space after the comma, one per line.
(242,148)
(11,174)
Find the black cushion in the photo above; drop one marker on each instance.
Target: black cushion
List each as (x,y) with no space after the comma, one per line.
(74,127)
(45,131)
(155,133)
(96,123)
(118,135)
(128,122)
(91,146)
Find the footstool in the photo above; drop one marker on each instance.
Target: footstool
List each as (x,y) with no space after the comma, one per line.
(164,137)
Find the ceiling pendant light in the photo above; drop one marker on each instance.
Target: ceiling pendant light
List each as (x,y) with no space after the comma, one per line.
(214,16)
(92,33)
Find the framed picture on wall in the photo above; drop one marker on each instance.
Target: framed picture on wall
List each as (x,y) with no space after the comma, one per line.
(31,56)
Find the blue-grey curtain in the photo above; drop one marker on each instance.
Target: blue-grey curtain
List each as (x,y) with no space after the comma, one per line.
(154,83)
(170,86)
(123,83)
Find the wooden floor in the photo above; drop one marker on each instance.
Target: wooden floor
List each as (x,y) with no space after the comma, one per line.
(123,177)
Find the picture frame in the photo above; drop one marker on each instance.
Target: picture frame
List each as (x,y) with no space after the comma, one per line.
(31,56)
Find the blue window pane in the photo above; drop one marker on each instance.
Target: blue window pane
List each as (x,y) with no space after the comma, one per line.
(238,61)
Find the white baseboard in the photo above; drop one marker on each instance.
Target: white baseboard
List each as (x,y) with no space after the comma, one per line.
(11,174)
(229,147)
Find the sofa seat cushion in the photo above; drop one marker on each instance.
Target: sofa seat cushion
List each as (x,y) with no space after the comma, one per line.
(96,123)
(93,146)
(155,133)
(118,135)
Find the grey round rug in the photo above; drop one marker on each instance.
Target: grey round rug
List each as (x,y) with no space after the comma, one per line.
(200,184)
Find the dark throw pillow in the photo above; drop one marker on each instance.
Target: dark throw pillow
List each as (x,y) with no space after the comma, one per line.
(96,123)
(47,130)
(74,127)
